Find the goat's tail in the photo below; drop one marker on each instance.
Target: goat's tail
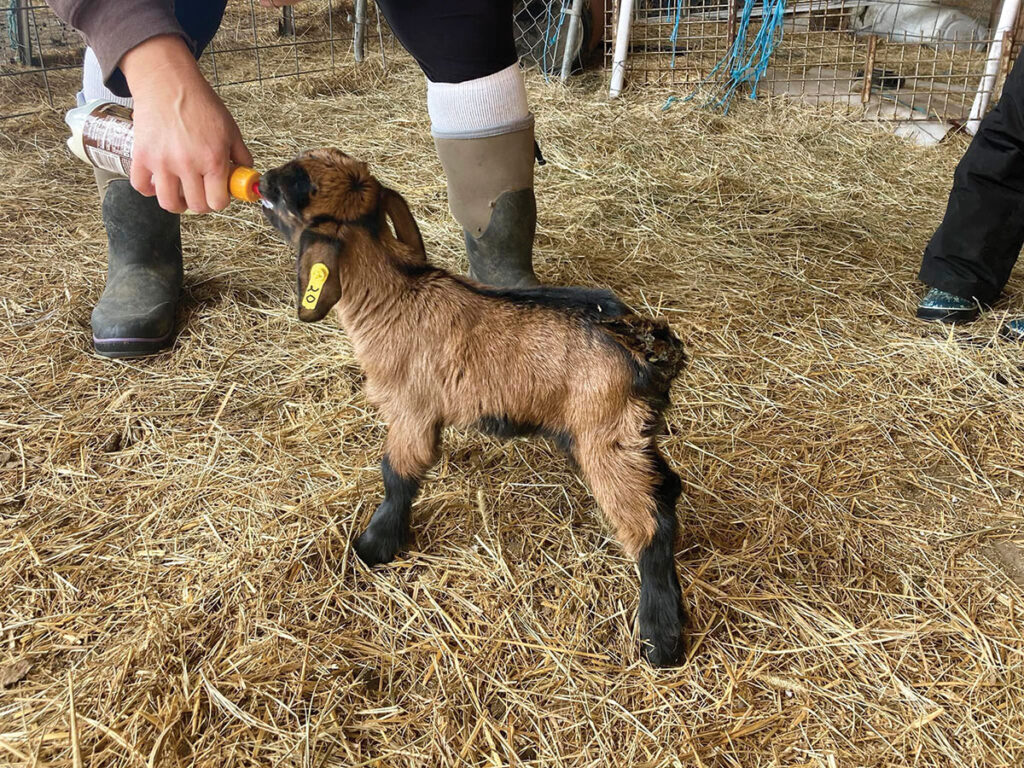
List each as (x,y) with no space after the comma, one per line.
(657,353)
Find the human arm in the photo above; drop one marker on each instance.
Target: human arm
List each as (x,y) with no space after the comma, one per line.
(185,138)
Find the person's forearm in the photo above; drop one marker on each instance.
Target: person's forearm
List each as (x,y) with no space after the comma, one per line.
(159,63)
(185,138)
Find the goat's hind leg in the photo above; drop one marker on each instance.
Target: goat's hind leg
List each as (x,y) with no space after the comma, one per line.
(637,491)
(662,615)
(411,450)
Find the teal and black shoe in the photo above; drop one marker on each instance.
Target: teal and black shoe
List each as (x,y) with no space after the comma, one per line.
(947,308)
(1013,330)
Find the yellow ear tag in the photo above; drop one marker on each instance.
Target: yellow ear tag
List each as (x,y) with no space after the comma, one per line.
(317,277)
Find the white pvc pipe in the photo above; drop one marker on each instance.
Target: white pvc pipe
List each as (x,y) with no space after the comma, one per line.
(1007,17)
(622,46)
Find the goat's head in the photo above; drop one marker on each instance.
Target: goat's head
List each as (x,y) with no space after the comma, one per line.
(315,201)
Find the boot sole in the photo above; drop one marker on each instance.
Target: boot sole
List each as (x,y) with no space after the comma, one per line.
(1015,336)
(947,315)
(127,348)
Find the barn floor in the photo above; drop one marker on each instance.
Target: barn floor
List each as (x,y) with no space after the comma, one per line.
(174,532)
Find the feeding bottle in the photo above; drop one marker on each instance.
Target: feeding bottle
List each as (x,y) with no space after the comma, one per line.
(102,135)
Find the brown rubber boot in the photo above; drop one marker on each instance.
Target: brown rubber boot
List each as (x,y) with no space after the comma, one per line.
(490,193)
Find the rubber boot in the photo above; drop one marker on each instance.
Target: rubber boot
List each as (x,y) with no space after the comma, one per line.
(136,314)
(490,192)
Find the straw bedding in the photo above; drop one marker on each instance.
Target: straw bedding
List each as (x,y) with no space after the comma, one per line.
(175,533)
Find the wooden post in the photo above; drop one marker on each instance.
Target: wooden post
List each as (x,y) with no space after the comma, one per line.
(869,69)
(23,33)
(733,13)
(286,27)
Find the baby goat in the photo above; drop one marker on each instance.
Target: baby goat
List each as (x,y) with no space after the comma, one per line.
(571,364)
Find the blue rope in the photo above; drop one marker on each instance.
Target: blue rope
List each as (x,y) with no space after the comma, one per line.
(551,40)
(744,64)
(544,53)
(674,37)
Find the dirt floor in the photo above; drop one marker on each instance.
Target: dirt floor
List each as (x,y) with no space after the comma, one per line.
(177,586)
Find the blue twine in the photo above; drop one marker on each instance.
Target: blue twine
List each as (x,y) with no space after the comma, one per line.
(744,63)
(551,40)
(674,37)
(544,53)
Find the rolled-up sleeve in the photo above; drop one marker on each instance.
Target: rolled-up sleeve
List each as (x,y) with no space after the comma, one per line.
(113,27)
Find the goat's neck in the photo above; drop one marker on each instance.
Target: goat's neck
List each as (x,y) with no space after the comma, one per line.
(373,287)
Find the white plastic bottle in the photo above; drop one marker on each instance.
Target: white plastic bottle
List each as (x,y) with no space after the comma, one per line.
(102,135)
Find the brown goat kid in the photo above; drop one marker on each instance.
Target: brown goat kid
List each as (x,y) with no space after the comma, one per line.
(438,350)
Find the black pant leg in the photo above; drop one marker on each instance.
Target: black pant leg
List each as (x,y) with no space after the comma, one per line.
(200,19)
(973,251)
(454,40)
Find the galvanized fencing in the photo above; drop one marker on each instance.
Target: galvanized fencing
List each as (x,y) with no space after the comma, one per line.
(899,60)
(41,58)
(890,60)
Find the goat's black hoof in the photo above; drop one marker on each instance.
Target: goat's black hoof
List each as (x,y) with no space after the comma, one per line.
(665,653)
(374,549)
(664,637)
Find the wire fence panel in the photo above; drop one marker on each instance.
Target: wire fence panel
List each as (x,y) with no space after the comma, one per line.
(256,44)
(891,60)
(544,35)
(41,58)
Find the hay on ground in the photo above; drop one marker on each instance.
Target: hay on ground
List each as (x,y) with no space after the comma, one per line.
(175,533)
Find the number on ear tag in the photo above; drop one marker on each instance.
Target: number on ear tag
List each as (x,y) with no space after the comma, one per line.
(317,277)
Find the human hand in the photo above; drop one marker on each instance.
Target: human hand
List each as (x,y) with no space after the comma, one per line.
(185,138)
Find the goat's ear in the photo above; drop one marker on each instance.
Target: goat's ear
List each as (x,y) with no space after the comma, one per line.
(394,205)
(318,275)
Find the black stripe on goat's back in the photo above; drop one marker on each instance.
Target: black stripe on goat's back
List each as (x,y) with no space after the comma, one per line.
(505,427)
(592,303)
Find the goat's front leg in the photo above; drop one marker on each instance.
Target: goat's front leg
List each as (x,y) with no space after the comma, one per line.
(411,449)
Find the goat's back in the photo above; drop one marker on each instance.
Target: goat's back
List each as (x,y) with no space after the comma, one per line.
(564,350)
(650,343)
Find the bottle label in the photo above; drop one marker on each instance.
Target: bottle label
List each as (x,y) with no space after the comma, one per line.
(108,139)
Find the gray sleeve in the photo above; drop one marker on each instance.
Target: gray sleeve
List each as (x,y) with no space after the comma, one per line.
(113,27)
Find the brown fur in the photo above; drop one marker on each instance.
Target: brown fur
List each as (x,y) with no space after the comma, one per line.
(439,350)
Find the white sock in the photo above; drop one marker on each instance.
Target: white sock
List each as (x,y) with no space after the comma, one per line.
(488,106)
(92,83)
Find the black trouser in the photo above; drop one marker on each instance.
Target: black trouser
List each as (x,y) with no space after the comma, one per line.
(973,251)
(452,40)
